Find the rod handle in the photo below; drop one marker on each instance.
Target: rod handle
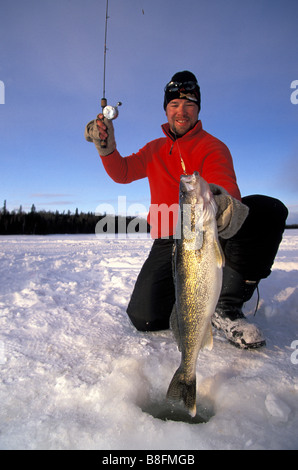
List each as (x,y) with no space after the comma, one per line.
(103,103)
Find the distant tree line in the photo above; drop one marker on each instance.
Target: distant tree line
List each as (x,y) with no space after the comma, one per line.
(49,223)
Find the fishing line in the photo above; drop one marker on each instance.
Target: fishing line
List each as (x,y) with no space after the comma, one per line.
(179,151)
(109,112)
(105,51)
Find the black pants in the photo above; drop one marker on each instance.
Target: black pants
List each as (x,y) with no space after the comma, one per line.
(250,252)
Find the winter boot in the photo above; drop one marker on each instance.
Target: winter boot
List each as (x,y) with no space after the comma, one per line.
(229,317)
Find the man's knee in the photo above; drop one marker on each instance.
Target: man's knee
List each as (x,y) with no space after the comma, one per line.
(264,210)
(143,324)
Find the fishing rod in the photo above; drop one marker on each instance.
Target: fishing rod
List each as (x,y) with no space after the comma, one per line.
(109,112)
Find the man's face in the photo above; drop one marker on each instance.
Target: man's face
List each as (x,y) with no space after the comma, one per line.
(182,115)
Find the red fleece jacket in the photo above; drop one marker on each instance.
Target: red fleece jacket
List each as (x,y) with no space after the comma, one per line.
(160,162)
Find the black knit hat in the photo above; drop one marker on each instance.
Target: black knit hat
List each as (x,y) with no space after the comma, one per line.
(183,85)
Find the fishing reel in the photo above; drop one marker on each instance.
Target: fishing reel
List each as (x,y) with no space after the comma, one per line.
(109,112)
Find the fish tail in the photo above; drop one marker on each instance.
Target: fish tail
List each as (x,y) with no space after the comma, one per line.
(180,389)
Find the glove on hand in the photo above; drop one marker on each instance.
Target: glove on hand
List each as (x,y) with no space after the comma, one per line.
(231,213)
(92,135)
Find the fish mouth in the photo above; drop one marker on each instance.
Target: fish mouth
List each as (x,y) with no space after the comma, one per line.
(187,182)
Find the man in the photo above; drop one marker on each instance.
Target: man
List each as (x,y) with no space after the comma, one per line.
(250,229)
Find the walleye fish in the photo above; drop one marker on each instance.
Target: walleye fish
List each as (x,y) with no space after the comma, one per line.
(197,271)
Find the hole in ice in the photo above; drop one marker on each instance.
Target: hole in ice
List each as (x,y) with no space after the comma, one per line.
(167,410)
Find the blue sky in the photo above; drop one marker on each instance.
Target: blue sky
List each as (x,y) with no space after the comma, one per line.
(244,55)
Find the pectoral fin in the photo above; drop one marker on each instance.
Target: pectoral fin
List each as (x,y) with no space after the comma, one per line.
(220,257)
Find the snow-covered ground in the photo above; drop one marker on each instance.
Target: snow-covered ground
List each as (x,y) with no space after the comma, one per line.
(75,374)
